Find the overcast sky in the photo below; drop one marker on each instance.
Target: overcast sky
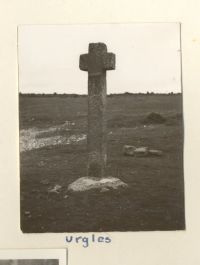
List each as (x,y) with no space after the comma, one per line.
(147,57)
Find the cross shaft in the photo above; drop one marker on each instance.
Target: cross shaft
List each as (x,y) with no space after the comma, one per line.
(97,62)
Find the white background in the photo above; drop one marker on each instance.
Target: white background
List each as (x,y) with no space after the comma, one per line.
(141,248)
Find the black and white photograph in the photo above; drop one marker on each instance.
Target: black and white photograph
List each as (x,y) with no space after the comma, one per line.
(100,128)
(33,257)
(29,262)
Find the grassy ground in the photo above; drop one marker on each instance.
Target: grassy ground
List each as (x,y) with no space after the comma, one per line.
(155,197)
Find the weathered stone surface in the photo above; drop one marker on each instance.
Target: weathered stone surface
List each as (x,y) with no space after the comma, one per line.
(102,184)
(96,62)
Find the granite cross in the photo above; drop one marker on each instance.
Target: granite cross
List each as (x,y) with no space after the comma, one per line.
(96,63)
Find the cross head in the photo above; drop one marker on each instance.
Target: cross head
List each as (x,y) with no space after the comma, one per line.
(98,60)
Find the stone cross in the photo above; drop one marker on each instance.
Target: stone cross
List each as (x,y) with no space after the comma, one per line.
(96,62)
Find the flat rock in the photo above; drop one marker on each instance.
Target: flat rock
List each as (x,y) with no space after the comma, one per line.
(141,151)
(130,150)
(103,184)
(155,152)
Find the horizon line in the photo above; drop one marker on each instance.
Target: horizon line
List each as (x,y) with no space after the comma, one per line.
(131,93)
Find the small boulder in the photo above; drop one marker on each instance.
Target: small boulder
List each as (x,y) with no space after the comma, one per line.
(55,189)
(131,150)
(155,152)
(141,151)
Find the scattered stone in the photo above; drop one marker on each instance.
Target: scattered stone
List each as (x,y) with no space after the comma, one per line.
(55,189)
(67,125)
(104,190)
(130,150)
(155,152)
(28,214)
(44,181)
(41,164)
(33,138)
(141,151)
(101,184)
(76,138)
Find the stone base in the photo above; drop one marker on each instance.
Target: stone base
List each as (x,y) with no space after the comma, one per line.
(102,184)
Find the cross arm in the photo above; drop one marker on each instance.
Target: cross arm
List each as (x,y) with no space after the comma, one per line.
(109,61)
(83,62)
